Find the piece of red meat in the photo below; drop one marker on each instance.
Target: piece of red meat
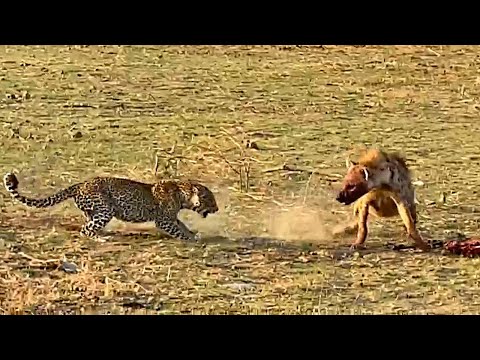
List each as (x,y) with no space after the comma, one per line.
(467,248)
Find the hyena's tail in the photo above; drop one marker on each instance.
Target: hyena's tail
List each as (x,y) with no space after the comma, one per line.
(11,184)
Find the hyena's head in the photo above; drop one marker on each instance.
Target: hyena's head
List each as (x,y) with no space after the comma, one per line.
(359,180)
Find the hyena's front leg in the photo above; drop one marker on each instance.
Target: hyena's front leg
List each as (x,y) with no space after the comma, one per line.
(361,213)
(409,222)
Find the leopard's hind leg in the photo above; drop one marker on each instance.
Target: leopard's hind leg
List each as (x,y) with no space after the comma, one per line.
(98,214)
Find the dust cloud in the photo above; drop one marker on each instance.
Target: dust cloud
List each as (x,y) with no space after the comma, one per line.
(314,221)
(303,223)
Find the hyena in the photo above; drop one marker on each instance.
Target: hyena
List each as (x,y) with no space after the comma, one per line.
(380,184)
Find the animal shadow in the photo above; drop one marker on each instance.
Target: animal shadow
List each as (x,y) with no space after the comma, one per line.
(251,242)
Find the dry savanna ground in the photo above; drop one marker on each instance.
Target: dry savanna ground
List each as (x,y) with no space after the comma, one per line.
(268,129)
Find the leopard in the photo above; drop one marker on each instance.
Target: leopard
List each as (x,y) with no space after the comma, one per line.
(380,183)
(103,198)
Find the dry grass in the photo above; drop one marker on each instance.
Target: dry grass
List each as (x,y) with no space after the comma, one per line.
(73,112)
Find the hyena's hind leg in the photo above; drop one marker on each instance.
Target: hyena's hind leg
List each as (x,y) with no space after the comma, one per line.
(409,220)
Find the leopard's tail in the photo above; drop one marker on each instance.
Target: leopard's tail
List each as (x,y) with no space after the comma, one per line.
(11,184)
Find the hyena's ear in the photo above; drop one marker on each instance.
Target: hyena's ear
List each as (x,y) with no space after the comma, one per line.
(349,163)
(366,174)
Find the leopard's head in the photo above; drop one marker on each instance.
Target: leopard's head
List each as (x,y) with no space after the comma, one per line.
(202,200)
(207,202)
